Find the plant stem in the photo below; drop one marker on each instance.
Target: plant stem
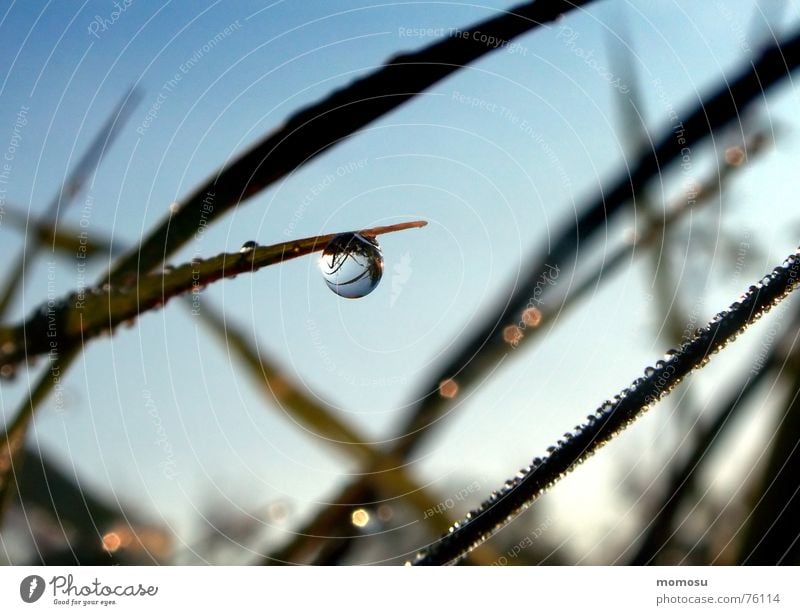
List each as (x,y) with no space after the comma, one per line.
(613,416)
(81,316)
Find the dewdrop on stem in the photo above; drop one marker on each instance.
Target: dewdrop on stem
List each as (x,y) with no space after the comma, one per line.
(352,265)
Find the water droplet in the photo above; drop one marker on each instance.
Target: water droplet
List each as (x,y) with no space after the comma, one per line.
(532,317)
(248,246)
(649,371)
(512,335)
(352,265)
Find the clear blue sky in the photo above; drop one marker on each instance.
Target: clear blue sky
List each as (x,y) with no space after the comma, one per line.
(495,158)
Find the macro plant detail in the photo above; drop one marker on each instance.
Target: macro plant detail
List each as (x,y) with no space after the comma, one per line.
(586,201)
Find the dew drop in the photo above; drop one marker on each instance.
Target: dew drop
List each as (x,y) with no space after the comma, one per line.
(248,246)
(512,335)
(352,265)
(649,371)
(532,317)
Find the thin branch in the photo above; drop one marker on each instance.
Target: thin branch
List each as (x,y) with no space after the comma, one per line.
(613,416)
(81,316)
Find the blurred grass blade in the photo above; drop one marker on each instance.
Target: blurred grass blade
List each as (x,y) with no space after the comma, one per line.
(537,319)
(613,416)
(81,316)
(773,536)
(64,239)
(72,185)
(682,479)
(315,416)
(486,345)
(13,438)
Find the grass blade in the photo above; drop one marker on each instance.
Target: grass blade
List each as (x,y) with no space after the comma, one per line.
(614,416)
(81,316)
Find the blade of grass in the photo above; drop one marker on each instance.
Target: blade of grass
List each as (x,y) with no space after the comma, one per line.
(61,331)
(614,416)
(772,537)
(72,186)
(66,239)
(13,439)
(82,316)
(684,477)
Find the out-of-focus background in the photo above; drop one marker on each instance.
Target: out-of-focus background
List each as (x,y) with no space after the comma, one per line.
(183,457)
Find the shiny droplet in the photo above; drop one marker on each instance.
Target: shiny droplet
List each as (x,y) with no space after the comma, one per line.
(352,265)
(248,246)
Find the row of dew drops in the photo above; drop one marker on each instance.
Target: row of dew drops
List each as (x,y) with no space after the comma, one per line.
(663,381)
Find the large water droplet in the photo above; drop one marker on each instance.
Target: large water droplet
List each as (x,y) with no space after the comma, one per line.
(352,265)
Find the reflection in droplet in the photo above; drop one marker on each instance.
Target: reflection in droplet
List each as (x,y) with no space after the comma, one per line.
(352,265)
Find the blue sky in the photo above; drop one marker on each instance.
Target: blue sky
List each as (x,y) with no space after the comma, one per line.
(495,158)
